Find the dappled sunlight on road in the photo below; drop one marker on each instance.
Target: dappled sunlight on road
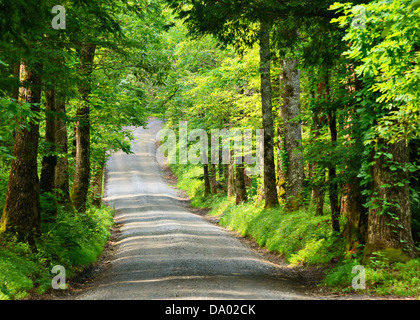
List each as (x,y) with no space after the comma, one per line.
(166,252)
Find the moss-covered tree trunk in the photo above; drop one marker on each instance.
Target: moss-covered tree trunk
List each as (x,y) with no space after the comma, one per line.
(292,134)
(21,213)
(270,189)
(82,171)
(352,206)
(354,230)
(389,220)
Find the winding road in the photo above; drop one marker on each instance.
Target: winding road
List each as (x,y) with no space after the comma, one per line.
(165,251)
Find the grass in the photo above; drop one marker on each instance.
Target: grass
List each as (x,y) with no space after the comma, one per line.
(303,239)
(299,236)
(73,241)
(399,279)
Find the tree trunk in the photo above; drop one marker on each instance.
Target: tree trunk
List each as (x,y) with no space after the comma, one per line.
(240,184)
(231,176)
(46,182)
(61,169)
(82,173)
(317,192)
(389,220)
(281,178)
(270,188)
(21,213)
(49,161)
(332,175)
(354,231)
(225,176)
(213,180)
(318,174)
(207,190)
(292,134)
(16,77)
(352,206)
(97,183)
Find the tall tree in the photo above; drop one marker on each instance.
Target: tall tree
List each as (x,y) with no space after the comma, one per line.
(61,175)
(270,188)
(389,224)
(82,173)
(49,160)
(292,134)
(388,115)
(22,208)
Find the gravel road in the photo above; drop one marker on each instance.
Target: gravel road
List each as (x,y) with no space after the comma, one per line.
(164,251)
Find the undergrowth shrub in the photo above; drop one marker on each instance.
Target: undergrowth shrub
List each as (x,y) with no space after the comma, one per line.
(72,240)
(301,237)
(401,279)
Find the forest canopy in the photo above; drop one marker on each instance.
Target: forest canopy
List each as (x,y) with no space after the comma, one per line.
(334,87)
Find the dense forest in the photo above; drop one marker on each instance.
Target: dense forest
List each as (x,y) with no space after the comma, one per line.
(334,87)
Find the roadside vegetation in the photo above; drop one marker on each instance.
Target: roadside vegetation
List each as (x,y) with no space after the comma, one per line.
(73,241)
(303,239)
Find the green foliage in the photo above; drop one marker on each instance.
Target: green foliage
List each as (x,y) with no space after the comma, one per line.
(18,268)
(401,279)
(73,241)
(188,182)
(341,276)
(11,111)
(300,236)
(386,47)
(76,240)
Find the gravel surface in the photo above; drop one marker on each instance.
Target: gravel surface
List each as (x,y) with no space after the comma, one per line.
(165,251)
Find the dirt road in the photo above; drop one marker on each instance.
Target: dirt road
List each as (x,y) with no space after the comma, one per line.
(164,251)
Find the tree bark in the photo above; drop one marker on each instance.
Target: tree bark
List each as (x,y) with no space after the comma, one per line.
(318,178)
(22,208)
(332,175)
(292,134)
(82,173)
(317,192)
(354,230)
(353,200)
(231,176)
(389,220)
(281,177)
(49,161)
(97,181)
(16,77)
(61,182)
(241,195)
(270,188)
(207,190)
(213,180)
